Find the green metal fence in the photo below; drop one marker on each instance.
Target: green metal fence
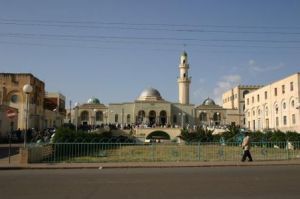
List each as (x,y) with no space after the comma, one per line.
(129,152)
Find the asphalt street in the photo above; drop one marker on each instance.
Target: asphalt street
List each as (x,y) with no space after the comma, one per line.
(159,183)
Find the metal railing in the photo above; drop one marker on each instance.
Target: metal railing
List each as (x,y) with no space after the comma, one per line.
(155,152)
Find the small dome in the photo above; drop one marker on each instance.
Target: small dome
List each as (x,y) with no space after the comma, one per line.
(208,102)
(150,94)
(93,100)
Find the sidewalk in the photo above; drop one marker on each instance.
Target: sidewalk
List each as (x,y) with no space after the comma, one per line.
(6,166)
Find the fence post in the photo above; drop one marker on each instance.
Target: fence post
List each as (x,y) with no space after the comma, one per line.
(199,158)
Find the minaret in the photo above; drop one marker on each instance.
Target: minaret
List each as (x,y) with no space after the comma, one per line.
(184,80)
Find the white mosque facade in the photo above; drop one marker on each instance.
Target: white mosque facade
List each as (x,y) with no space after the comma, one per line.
(150,109)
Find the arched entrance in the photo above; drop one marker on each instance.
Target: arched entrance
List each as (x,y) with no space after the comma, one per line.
(84,116)
(158,135)
(163,117)
(217,118)
(203,118)
(152,117)
(140,117)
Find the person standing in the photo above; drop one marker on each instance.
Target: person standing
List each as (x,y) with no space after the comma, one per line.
(246,145)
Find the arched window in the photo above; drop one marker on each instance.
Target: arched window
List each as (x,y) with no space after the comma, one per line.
(152,117)
(267,111)
(141,116)
(276,109)
(84,116)
(203,117)
(116,118)
(284,105)
(293,103)
(128,119)
(99,116)
(163,117)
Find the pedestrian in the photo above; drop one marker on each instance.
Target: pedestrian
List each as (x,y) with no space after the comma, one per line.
(246,147)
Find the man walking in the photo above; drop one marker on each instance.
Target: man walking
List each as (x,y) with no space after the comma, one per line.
(246,147)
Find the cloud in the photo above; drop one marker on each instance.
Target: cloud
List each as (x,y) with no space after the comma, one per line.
(226,83)
(254,67)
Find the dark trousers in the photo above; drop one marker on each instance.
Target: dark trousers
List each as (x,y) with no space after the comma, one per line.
(247,154)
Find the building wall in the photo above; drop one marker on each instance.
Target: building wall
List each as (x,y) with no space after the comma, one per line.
(275,105)
(11,94)
(235,99)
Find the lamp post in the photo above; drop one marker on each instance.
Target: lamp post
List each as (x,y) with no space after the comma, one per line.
(76,115)
(27,89)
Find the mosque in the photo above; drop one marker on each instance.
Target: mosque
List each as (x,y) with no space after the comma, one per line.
(151,110)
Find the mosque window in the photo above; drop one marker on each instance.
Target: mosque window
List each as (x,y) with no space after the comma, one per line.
(275,91)
(99,116)
(174,118)
(293,103)
(284,105)
(128,119)
(283,89)
(184,75)
(116,118)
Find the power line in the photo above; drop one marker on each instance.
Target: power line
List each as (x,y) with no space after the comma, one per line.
(150,24)
(203,30)
(105,37)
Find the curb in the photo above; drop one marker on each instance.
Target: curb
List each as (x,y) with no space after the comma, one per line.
(151,165)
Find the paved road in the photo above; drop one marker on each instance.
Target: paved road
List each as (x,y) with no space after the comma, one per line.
(215,182)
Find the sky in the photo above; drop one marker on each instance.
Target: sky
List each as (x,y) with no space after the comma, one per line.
(113,50)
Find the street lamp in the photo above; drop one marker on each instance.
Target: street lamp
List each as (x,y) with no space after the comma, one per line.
(76,115)
(27,89)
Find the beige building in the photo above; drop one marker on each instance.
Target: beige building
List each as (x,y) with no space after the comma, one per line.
(275,106)
(12,95)
(45,109)
(234,101)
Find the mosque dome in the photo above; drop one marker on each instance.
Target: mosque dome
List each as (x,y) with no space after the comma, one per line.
(208,102)
(150,94)
(93,100)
